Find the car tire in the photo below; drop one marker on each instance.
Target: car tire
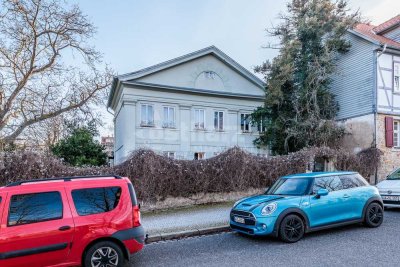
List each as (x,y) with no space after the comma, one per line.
(105,251)
(291,229)
(373,215)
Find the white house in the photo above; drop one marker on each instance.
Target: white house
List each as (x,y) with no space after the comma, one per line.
(191,107)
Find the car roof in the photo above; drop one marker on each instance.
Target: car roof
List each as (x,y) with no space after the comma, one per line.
(318,174)
(24,186)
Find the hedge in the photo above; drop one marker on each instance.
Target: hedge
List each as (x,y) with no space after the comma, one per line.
(156,177)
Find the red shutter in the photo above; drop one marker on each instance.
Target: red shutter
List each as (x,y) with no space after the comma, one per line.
(389,131)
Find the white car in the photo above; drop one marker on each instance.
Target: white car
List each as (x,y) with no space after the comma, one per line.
(390,189)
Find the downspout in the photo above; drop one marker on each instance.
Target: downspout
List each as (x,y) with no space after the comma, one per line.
(377,68)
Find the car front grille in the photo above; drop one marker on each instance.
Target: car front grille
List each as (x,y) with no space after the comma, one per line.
(248,217)
(391,202)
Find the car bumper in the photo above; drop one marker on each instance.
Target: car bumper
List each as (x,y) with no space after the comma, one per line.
(133,238)
(263,226)
(390,200)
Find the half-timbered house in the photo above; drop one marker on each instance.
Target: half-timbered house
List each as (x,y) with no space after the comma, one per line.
(367,88)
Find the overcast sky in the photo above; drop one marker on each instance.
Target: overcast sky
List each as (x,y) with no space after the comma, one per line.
(133,34)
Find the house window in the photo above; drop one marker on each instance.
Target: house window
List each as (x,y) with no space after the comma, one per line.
(245,123)
(396,133)
(396,79)
(169,154)
(147,115)
(199,118)
(219,120)
(262,126)
(210,74)
(199,155)
(169,117)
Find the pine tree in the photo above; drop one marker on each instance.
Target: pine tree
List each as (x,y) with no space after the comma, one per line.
(299,108)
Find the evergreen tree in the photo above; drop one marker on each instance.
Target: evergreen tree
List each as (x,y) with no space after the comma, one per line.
(79,148)
(299,109)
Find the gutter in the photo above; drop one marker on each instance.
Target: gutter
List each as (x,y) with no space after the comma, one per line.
(377,67)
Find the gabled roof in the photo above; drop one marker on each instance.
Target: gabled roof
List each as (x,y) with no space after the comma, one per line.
(374,33)
(366,31)
(211,50)
(387,25)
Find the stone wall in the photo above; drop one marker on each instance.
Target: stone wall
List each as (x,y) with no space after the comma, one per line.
(391,156)
(359,133)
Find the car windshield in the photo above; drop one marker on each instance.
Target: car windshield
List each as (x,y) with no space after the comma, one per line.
(395,175)
(290,186)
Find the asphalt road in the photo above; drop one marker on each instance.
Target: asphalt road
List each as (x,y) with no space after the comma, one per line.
(347,246)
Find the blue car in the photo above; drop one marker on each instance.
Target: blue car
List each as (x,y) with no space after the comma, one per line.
(302,203)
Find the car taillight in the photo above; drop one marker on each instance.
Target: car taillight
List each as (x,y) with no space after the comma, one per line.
(136,216)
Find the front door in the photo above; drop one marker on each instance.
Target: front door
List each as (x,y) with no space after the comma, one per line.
(36,228)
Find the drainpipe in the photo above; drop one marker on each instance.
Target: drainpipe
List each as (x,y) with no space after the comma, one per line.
(379,53)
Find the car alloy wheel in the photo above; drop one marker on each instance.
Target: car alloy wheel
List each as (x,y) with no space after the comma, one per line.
(292,228)
(374,216)
(104,257)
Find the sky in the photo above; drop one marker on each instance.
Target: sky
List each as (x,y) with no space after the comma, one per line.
(133,34)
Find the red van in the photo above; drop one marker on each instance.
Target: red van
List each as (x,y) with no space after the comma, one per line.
(72,221)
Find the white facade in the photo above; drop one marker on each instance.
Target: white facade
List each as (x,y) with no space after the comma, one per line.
(192,107)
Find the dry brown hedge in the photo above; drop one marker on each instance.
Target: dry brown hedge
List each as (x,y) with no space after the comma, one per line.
(156,177)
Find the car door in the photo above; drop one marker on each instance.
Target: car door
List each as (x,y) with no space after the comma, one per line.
(36,228)
(353,186)
(329,209)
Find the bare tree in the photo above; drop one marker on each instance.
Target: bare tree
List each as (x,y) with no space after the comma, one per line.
(47,67)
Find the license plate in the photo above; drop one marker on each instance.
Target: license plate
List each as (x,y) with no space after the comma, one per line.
(238,219)
(391,198)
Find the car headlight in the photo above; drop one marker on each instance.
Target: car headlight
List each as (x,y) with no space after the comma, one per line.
(269,209)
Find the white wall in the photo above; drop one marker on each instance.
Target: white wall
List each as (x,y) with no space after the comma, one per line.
(184,139)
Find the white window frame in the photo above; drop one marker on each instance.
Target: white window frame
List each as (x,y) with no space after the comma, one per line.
(246,122)
(261,128)
(200,155)
(169,154)
(169,121)
(218,124)
(144,117)
(396,77)
(199,121)
(396,133)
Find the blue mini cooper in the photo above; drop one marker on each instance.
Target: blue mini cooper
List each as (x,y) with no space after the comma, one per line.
(301,203)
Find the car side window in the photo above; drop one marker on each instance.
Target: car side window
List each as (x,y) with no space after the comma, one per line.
(35,207)
(352,181)
(331,183)
(361,180)
(96,200)
(349,181)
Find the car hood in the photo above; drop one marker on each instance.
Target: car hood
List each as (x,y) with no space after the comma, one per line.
(250,203)
(389,184)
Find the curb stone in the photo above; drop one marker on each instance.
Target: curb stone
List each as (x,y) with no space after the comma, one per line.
(184,234)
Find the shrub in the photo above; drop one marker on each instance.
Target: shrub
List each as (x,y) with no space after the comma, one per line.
(156,177)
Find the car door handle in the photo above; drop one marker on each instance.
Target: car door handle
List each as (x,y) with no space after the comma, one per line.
(64,228)
(346,196)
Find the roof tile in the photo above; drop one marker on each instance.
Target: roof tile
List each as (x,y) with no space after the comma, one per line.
(368,31)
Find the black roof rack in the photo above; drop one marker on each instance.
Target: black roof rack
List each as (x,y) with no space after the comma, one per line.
(66,179)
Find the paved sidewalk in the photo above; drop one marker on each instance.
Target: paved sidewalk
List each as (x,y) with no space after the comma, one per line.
(186,220)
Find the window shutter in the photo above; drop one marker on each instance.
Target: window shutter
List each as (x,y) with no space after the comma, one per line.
(389,131)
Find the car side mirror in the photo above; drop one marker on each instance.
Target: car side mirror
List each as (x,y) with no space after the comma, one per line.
(322,192)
